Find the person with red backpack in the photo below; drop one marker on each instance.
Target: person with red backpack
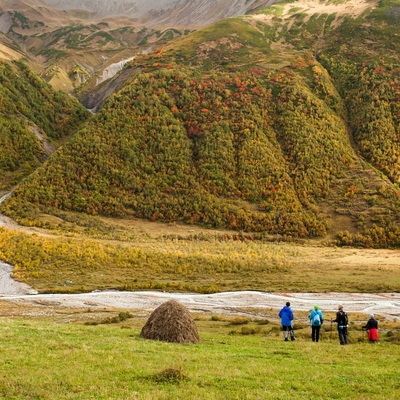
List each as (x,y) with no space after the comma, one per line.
(372,329)
(317,319)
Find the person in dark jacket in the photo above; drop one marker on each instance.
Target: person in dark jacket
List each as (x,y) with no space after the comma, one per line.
(286,316)
(342,324)
(372,329)
(317,319)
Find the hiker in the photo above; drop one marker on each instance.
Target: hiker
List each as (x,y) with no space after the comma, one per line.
(342,324)
(372,329)
(286,316)
(317,319)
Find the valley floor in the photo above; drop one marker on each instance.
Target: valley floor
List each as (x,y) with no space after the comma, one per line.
(250,303)
(20,299)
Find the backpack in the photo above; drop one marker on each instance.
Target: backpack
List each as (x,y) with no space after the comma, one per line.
(346,320)
(316,321)
(342,320)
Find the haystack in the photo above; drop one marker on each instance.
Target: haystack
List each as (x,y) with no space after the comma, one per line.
(171,322)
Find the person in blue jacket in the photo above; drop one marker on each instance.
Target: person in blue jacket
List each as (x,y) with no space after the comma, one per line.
(286,316)
(316,318)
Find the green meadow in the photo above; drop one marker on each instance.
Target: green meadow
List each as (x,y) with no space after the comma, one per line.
(64,357)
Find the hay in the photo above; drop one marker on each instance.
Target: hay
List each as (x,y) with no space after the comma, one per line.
(171,322)
(170,375)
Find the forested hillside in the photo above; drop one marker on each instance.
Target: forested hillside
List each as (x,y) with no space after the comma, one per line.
(284,123)
(33,120)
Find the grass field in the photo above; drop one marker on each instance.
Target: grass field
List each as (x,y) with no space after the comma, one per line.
(63,358)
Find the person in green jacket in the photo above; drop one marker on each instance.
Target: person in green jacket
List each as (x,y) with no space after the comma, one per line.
(317,319)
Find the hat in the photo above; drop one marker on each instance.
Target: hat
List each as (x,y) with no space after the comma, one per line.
(371,315)
(340,307)
(316,307)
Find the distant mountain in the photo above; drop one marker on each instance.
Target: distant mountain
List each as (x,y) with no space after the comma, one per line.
(69,42)
(284,122)
(177,13)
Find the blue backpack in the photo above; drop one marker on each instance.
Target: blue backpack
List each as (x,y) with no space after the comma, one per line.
(316,320)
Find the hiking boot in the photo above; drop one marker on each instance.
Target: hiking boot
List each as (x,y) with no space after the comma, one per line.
(286,339)
(293,339)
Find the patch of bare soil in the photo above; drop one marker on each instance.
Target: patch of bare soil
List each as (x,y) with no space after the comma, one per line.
(8,54)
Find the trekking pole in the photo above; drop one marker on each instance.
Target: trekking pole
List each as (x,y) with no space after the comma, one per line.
(330,335)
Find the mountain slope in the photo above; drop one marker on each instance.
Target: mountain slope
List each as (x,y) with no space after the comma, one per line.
(284,122)
(33,119)
(145,155)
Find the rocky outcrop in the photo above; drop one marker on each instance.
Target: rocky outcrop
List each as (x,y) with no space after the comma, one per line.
(5,22)
(96,97)
(112,70)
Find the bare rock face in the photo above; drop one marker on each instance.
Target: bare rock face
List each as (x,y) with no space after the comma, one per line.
(5,22)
